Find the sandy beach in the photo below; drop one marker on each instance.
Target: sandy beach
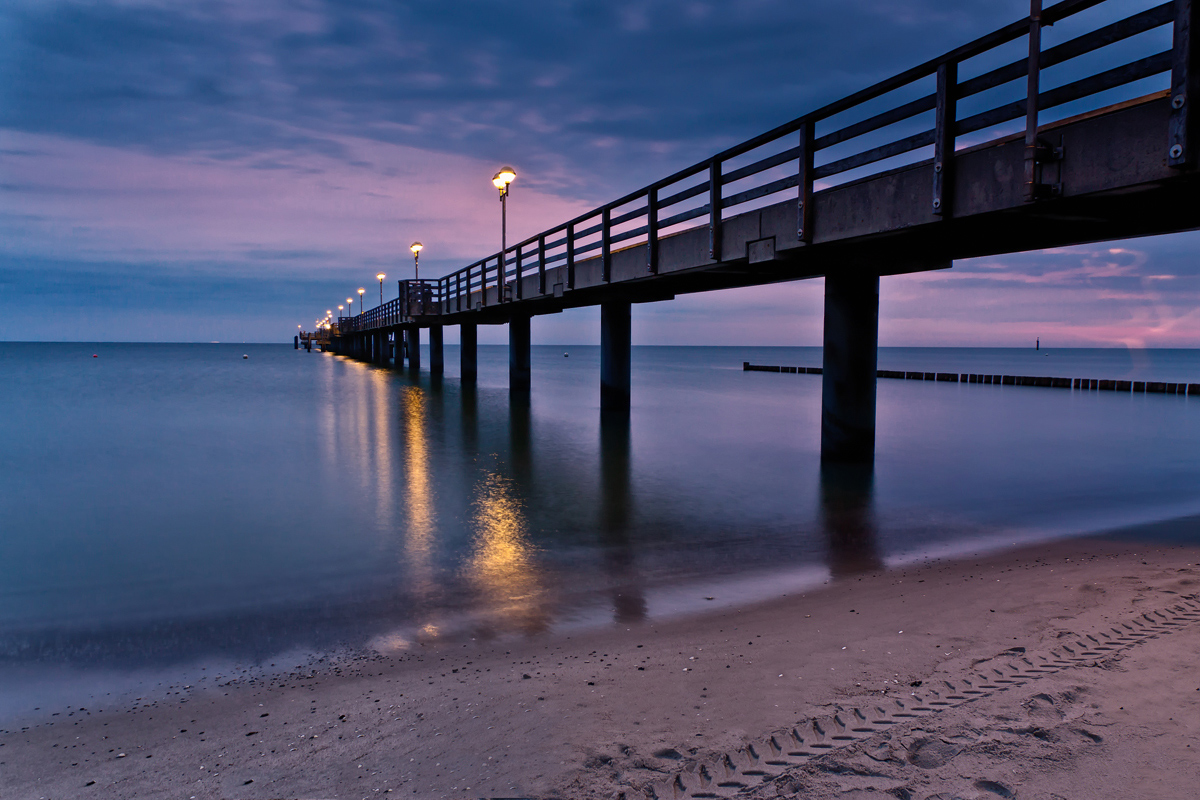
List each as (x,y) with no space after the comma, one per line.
(1065,670)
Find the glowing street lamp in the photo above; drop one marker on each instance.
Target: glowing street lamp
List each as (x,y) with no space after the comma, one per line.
(361,292)
(416,248)
(501,180)
(340,312)
(380,278)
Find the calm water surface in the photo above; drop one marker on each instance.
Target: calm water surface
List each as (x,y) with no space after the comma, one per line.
(167,505)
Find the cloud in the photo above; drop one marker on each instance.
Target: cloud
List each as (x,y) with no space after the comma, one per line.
(547,82)
(97,202)
(208,148)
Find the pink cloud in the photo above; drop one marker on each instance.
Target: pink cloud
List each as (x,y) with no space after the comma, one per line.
(85,201)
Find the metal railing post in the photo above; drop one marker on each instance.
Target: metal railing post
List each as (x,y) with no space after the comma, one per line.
(714,210)
(804,204)
(1185,88)
(606,244)
(570,255)
(652,230)
(945,117)
(1033,81)
(542,264)
(519,294)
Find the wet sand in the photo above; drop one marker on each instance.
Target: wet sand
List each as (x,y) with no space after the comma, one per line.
(611,712)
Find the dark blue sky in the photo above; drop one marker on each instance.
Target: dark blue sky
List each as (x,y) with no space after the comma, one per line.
(226,170)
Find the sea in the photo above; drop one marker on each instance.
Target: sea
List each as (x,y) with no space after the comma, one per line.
(173,510)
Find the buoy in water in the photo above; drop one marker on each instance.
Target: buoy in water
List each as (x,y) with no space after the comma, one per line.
(566,355)
(95,356)
(245,356)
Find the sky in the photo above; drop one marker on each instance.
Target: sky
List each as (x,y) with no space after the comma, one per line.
(227,170)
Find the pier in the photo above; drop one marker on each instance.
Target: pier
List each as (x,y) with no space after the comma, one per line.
(306,339)
(873,185)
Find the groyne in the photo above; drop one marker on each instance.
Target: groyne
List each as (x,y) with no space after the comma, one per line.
(1083,384)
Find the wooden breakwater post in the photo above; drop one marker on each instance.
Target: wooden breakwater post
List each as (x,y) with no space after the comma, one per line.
(1081,384)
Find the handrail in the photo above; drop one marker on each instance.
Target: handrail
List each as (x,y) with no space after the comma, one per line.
(699,190)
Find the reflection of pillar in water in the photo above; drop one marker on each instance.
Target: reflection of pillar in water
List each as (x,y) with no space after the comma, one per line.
(520,447)
(616,506)
(470,418)
(847,517)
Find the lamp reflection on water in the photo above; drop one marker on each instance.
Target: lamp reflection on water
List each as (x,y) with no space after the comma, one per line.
(502,566)
(327,426)
(422,517)
(381,397)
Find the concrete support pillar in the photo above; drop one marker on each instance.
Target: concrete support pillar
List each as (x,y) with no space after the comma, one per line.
(468,333)
(377,347)
(518,354)
(614,356)
(437,359)
(849,367)
(414,348)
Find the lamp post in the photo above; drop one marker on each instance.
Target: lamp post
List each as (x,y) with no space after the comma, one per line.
(361,292)
(380,278)
(416,248)
(501,180)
